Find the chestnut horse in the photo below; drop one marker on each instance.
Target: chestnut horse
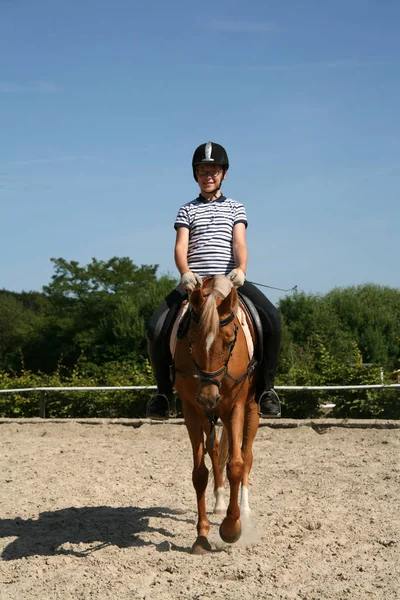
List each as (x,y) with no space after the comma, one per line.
(214,377)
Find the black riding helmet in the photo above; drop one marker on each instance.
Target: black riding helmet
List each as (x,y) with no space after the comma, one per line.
(210,153)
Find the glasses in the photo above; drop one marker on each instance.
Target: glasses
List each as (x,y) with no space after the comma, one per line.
(213,173)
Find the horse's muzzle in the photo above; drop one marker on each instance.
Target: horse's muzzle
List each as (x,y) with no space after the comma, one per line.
(208,396)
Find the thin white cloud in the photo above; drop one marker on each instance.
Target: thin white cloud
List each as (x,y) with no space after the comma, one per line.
(377,172)
(42,161)
(242,26)
(343,63)
(34,87)
(346,63)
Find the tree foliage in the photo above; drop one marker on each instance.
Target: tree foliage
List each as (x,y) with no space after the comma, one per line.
(367,315)
(104,307)
(89,325)
(349,336)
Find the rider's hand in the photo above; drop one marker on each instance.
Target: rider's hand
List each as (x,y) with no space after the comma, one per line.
(237,276)
(190,281)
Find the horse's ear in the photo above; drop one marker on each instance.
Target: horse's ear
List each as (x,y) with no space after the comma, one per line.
(228,304)
(196,299)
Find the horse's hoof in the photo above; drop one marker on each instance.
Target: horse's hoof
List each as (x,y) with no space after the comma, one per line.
(201,545)
(230,534)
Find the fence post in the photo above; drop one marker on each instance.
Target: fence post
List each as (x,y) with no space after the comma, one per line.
(42,405)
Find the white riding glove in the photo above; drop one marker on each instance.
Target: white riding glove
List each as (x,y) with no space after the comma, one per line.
(237,276)
(190,281)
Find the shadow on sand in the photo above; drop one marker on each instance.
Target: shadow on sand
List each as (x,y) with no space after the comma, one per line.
(99,526)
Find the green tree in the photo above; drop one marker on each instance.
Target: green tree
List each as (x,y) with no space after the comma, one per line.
(101,310)
(370,314)
(367,315)
(22,317)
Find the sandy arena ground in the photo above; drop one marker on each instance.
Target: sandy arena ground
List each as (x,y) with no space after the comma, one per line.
(108,511)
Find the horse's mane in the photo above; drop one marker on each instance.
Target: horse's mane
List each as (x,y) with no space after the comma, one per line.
(221,287)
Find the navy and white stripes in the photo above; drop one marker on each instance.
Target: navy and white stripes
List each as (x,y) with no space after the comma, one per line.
(210,225)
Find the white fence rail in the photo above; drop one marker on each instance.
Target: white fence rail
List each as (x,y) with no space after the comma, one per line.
(42,390)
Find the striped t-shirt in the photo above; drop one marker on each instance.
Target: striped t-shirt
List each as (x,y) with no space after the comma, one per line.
(210,225)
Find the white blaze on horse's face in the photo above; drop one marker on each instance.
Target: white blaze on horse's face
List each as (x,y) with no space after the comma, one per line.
(209,341)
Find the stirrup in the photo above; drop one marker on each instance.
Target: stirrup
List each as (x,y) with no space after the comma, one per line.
(158,407)
(269,405)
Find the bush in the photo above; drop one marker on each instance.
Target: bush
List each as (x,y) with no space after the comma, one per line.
(314,366)
(80,403)
(297,404)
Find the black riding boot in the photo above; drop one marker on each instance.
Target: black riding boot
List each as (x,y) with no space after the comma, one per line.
(269,405)
(163,400)
(266,397)
(158,334)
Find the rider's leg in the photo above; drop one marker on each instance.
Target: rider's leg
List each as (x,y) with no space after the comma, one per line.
(158,332)
(266,396)
(162,399)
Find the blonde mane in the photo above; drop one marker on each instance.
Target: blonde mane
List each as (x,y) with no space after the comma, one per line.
(221,287)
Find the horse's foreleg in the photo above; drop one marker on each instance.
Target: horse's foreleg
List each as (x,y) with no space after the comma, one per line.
(200,480)
(231,529)
(250,431)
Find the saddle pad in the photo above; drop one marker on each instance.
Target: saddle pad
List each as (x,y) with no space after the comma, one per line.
(174,332)
(242,318)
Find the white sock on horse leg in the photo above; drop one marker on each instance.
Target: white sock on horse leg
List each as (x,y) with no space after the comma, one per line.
(244,503)
(220,506)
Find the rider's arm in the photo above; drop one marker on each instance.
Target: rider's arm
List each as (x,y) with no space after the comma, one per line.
(240,246)
(181,249)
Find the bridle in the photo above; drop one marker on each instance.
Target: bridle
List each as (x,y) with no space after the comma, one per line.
(211,376)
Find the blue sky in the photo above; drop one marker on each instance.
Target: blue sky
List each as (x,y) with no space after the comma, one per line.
(102,103)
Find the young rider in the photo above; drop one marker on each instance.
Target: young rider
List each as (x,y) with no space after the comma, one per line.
(211,240)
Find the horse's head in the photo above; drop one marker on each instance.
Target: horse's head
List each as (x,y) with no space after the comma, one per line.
(212,336)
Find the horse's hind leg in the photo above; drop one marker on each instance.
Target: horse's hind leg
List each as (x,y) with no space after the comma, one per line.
(213,448)
(200,480)
(231,529)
